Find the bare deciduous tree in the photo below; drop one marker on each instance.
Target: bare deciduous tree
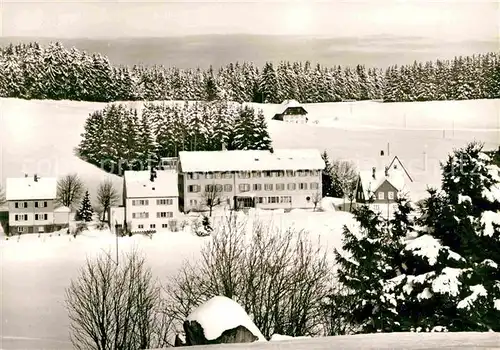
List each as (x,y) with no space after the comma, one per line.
(278,276)
(345,175)
(212,196)
(114,306)
(70,189)
(107,196)
(316,198)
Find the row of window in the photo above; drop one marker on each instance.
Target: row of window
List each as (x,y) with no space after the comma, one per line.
(159,215)
(168,201)
(255,187)
(25,204)
(380,195)
(255,174)
(24,217)
(141,226)
(273,199)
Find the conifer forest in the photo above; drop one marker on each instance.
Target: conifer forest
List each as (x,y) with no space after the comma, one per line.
(30,71)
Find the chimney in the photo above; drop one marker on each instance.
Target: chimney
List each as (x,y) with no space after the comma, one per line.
(373,172)
(35,177)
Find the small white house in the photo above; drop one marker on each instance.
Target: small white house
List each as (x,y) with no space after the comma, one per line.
(291,111)
(31,203)
(150,203)
(62,216)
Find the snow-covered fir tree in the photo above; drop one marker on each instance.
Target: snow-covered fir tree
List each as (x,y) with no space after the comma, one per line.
(366,259)
(56,72)
(85,212)
(326,177)
(452,277)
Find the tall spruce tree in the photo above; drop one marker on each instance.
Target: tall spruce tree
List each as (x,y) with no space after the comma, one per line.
(85,212)
(452,280)
(363,262)
(326,176)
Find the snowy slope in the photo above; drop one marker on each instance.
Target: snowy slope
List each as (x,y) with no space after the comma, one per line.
(391,341)
(40,136)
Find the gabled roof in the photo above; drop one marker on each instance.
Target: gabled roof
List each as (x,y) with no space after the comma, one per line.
(370,185)
(289,104)
(138,184)
(397,164)
(251,160)
(26,188)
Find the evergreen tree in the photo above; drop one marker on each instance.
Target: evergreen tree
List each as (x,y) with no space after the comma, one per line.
(326,177)
(86,211)
(362,264)
(452,279)
(261,139)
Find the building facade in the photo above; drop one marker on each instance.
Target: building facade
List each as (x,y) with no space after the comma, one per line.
(291,111)
(31,204)
(284,179)
(151,203)
(381,189)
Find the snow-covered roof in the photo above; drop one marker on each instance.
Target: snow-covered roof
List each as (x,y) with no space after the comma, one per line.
(26,188)
(220,314)
(251,160)
(288,104)
(138,184)
(395,177)
(62,209)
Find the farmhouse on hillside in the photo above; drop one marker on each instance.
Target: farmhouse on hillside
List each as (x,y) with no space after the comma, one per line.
(282,179)
(31,203)
(380,189)
(291,111)
(151,201)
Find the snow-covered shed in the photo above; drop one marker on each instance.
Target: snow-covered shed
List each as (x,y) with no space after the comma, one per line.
(62,216)
(291,111)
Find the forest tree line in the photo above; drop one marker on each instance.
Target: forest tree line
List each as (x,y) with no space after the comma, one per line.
(117,138)
(31,71)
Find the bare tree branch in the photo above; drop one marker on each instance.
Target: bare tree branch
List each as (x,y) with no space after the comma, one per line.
(70,189)
(278,276)
(212,196)
(345,175)
(107,196)
(116,307)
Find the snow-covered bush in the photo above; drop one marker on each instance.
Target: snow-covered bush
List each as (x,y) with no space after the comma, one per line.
(277,275)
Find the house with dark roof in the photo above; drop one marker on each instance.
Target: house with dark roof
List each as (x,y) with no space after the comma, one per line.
(380,189)
(291,111)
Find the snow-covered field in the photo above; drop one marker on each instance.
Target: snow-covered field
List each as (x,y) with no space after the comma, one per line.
(36,270)
(39,136)
(392,341)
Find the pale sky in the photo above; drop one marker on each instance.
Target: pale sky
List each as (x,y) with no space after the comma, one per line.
(444,19)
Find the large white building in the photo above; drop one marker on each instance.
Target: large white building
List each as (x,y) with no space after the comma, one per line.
(150,204)
(31,203)
(285,178)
